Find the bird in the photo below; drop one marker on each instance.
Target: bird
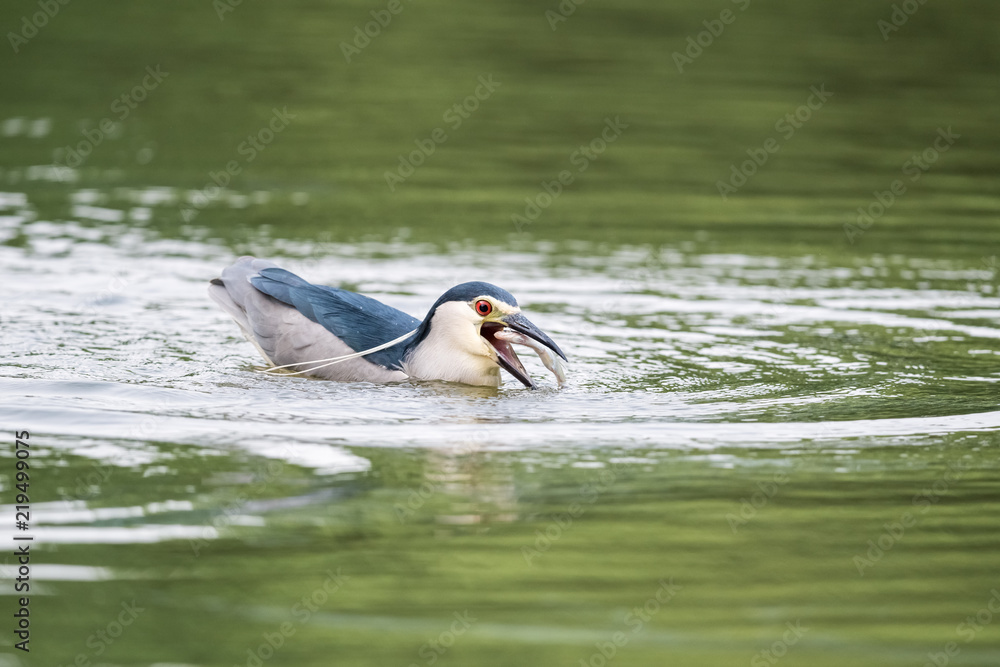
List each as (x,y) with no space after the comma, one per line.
(335,334)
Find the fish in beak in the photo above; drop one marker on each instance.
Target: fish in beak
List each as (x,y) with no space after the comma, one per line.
(517,328)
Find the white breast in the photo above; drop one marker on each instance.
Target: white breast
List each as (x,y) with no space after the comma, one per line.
(453,350)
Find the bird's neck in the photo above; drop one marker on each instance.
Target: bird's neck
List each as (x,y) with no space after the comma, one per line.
(448,347)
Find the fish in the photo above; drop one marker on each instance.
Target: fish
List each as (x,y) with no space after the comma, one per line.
(551,361)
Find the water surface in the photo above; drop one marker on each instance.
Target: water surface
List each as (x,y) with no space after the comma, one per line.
(778,441)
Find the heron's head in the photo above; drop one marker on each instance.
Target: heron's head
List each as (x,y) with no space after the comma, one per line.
(466,320)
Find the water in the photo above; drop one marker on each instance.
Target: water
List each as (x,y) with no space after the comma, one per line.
(737,425)
(778,441)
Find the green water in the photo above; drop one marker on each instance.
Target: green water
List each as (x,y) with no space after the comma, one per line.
(779,440)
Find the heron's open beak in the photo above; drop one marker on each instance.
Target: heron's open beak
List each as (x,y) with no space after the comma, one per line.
(506,356)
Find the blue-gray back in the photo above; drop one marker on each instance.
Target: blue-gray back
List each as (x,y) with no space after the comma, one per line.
(358,320)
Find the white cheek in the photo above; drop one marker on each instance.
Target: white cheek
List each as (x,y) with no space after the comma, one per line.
(454,350)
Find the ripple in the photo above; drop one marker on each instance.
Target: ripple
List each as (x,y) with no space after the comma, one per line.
(117,344)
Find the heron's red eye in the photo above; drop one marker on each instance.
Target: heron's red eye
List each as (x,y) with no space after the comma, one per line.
(484,307)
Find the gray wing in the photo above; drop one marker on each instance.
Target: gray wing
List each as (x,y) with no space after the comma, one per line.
(281,333)
(360,321)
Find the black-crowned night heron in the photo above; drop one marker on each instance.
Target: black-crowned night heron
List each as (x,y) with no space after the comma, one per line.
(339,335)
